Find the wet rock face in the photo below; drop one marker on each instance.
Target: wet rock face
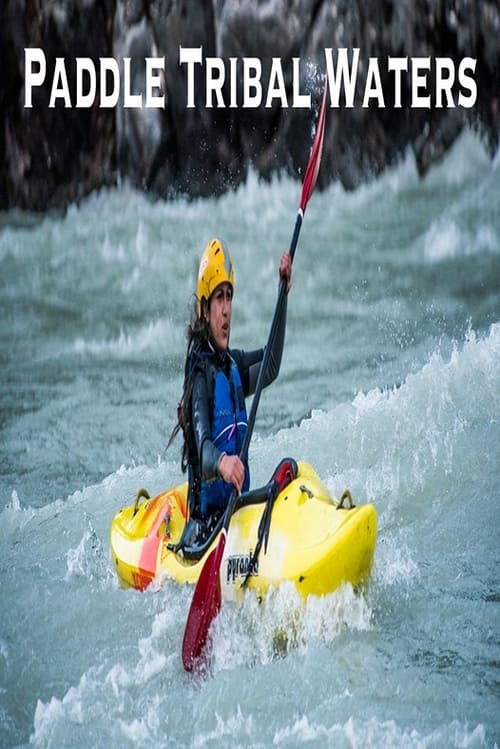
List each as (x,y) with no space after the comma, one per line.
(50,157)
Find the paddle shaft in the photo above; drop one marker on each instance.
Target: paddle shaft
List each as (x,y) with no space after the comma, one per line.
(308,185)
(207,596)
(263,368)
(267,351)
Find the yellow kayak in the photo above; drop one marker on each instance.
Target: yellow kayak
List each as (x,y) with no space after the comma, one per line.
(314,541)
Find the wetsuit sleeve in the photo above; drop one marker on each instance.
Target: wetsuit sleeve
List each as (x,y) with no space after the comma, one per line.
(208,454)
(249,362)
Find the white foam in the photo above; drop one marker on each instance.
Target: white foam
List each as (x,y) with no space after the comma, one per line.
(89,560)
(157,336)
(356,733)
(84,702)
(15,503)
(251,632)
(465,159)
(446,239)
(442,240)
(49,716)
(397,436)
(226,729)
(395,563)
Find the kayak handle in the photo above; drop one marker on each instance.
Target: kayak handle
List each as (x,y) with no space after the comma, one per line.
(141,494)
(346,495)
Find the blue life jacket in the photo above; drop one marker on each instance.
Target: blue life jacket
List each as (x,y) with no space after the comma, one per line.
(229,424)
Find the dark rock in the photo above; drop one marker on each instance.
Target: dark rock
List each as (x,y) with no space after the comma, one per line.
(50,157)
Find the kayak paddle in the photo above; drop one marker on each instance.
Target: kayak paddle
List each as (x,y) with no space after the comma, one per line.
(207,596)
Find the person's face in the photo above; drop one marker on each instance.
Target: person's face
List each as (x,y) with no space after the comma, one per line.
(219,315)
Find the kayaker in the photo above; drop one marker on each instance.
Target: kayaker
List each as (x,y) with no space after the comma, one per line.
(212,412)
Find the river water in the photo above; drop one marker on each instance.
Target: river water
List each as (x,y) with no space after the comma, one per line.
(390,386)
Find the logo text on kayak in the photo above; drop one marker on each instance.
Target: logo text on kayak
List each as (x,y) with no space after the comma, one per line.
(240,565)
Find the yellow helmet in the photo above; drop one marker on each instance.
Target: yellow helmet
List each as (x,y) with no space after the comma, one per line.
(216,267)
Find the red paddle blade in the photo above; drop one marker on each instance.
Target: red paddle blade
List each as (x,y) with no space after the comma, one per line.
(205,606)
(312,168)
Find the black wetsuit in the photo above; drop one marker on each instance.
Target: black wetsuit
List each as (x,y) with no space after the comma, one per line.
(203,455)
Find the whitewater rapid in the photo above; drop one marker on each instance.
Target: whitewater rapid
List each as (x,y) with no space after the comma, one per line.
(390,386)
